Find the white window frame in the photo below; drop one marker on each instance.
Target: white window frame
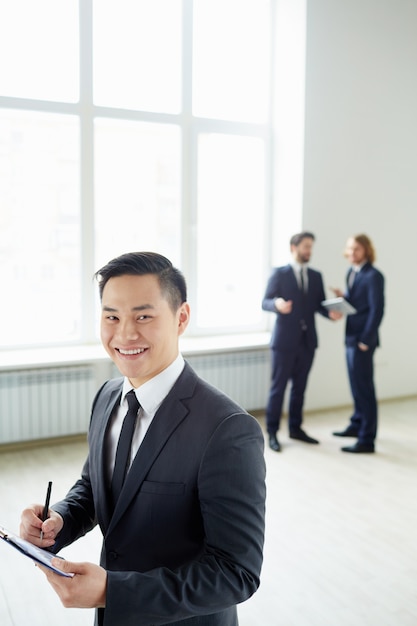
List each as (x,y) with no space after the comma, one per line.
(190,127)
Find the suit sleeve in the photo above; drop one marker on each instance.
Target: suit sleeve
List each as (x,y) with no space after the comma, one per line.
(77,509)
(376,309)
(320,297)
(272,292)
(231,489)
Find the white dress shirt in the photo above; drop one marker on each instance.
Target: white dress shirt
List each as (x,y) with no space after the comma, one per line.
(298,268)
(150,396)
(355,269)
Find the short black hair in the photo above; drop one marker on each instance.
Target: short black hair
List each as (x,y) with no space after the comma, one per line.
(171,280)
(297,239)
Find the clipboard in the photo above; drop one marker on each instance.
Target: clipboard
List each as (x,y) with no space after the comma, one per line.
(339,304)
(32,552)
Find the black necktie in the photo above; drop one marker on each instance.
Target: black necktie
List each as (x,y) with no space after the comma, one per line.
(124,445)
(351,278)
(303,301)
(302,284)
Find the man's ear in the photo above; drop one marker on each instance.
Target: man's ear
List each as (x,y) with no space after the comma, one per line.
(183,317)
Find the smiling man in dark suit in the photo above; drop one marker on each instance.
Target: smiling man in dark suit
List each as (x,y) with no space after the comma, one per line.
(294,293)
(183,534)
(365,291)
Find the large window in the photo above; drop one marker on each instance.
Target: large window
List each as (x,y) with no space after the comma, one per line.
(128,125)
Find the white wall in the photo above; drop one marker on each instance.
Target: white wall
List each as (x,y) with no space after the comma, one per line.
(360,174)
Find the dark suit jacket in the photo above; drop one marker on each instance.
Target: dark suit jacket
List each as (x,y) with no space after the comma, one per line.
(287,330)
(186,536)
(367,296)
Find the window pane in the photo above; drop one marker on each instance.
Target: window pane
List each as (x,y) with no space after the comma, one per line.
(137,54)
(39,228)
(231,230)
(231,59)
(137,189)
(39,49)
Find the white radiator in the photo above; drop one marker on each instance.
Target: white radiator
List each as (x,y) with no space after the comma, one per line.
(45,402)
(245,376)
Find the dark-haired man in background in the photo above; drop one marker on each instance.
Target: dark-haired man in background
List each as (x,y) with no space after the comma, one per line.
(182,515)
(294,293)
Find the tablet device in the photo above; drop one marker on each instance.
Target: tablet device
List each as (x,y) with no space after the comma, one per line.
(339,304)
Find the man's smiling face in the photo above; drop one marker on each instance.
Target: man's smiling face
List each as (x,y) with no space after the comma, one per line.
(139,329)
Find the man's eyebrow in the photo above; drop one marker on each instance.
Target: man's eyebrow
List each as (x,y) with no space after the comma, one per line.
(142,307)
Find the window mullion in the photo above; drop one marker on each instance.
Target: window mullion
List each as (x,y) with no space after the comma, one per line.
(88,321)
(188,186)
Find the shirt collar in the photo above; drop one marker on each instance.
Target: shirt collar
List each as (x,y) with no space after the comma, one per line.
(299,266)
(151,394)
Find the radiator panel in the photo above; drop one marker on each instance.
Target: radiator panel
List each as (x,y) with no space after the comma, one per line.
(56,401)
(244,376)
(45,402)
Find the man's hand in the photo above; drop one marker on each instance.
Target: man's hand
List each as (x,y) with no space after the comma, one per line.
(283,306)
(363,347)
(335,315)
(85,590)
(31,526)
(337,292)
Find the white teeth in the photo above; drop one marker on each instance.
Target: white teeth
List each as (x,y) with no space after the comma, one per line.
(129,352)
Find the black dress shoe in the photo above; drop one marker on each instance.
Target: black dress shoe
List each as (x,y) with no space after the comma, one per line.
(302,436)
(359,447)
(350,431)
(274,443)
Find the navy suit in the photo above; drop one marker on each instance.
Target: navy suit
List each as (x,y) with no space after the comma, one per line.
(293,342)
(367,296)
(184,543)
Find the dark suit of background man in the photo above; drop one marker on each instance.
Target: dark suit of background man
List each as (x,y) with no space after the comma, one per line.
(365,291)
(294,292)
(183,540)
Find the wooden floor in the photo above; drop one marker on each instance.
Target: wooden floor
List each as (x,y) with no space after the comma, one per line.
(341,542)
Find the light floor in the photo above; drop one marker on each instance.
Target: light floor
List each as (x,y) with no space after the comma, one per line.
(341,541)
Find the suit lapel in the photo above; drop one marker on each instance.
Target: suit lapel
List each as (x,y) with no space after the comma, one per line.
(294,287)
(293,277)
(351,276)
(310,279)
(359,277)
(168,417)
(103,409)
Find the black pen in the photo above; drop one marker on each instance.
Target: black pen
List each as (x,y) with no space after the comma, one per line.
(46,507)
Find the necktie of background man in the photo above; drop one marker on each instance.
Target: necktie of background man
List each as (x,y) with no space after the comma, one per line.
(302,282)
(351,278)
